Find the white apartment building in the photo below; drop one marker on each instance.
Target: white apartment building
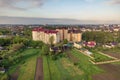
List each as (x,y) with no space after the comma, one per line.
(40,34)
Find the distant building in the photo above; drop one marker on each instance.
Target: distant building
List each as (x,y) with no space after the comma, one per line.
(78,45)
(72,35)
(63,33)
(40,34)
(90,44)
(116,29)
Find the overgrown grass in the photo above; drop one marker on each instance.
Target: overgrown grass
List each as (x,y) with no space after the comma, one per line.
(47,74)
(26,65)
(85,65)
(113,50)
(27,70)
(99,57)
(60,69)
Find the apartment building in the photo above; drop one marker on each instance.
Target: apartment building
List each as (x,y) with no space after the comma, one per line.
(40,34)
(72,35)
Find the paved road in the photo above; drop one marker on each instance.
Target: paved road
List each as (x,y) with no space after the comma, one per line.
(39,69)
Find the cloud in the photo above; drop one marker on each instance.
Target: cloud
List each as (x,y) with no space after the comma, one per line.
(32,20)
(12,4)
(113,2)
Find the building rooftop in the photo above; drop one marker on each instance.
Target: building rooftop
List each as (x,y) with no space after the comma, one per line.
(74,31)
(45,30)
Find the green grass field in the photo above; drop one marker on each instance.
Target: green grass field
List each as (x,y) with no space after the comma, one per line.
(61,69)
(64,68)
(27,70)
(85,65)
(113,50)
(99,57)
(28,64)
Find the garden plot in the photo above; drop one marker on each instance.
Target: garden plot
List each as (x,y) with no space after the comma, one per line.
(97,57)
(112,72)
(61,69)
(114,53)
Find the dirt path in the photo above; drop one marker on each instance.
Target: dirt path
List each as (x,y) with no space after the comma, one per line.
(15,75)
(114,55)
(39,69)
(112,72)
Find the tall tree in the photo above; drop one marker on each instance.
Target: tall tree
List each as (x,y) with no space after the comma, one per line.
(45,50)
(51,40)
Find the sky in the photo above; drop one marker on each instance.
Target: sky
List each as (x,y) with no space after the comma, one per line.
(59,11)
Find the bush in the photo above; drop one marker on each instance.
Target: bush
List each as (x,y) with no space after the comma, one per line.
(16,47)
(4,77)
(54,57)
(75,63)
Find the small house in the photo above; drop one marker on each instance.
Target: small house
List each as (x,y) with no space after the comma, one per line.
(89,44)
(77,45)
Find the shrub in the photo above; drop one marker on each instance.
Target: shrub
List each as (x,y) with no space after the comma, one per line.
(4,77)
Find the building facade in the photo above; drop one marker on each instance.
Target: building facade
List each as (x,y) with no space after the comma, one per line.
(72,35)
(40,34)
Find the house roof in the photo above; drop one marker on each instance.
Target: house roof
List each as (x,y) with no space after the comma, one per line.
(74,31)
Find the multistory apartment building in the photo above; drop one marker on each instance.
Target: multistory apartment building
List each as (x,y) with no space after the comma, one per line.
(40,34)
(72,35)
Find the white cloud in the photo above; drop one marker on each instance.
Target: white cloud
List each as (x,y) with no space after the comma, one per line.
(113,2)
(32,20)
(11,4)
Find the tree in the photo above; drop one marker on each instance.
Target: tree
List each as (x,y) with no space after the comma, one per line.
(5,41)
(45,50)
(65,41)
(16,47)
(51,40)
(99,37)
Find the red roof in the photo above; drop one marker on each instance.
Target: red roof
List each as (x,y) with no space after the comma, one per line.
(45,30)
(91,43)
